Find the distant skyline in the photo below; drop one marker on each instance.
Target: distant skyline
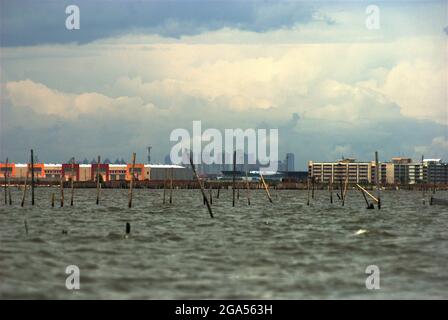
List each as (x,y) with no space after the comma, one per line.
(137,70)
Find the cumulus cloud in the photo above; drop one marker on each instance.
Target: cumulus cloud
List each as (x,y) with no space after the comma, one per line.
(46,101)
(438,148)
(27,22)
(117,95)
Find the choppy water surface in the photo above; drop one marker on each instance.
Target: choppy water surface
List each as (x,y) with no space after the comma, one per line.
(269,251)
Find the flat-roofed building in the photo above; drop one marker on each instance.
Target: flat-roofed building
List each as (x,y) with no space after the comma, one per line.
(357,172)
(52,171)
(163,171)
(21,170)
(103,171)
(8,170)
(39,170)
(117,172)
(85,172)
(139,172)
(435,171)
(70,171)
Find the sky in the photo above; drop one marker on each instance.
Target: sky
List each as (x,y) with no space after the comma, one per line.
(136,70)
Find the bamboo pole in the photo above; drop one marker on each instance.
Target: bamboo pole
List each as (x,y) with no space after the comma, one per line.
(62,189)
(9,195)
(345,185)
(210,194)
(98,181)
(73,183)
(52,200)
(131,186)
(369,194)
(200,185)
(32,177)
(233,178)
(423,187)
(368,204)
(24,187)
(171,185)
(219,188)
(312,186)
(247,190)
(308,188)
(6,181)
(164,186)
(331,188)
(266,188)
(377,178)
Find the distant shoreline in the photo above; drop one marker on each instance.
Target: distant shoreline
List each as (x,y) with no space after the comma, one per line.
(215,184)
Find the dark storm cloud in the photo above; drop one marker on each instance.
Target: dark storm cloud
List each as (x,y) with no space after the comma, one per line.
(27,22)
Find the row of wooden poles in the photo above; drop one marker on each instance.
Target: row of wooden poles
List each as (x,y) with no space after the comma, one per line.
(344,188)
(30,168)
(207,200)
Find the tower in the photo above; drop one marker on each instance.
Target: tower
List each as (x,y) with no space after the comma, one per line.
(148,148)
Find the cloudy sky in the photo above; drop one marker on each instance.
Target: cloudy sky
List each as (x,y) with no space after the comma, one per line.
(136,70)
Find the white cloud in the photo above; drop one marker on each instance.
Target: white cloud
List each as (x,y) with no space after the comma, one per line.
(46,101)
(438,148)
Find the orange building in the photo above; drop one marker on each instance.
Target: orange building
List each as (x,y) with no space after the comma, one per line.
(139,172)
(10,171)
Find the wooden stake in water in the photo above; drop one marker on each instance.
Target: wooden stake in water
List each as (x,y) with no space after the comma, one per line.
(363,191)
(423,187)
(98,181)
(73,183)
(24,187)
(331,188)
(344,192)
(131,186)
(247,189)
(233,178)
(210,194)
(9,195)
(200,185)
(367,193)
(377,179)
(164,185)
(6,181)
(171,185)
(308,187)
(32,177)
(62,189)
(266,188)
(205,188)
(52,200)
(313,180)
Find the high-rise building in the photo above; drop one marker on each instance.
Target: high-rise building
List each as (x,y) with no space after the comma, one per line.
(290,162)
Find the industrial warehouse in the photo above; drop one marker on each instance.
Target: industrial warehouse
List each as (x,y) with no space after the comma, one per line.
(398,171)
(88,172)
